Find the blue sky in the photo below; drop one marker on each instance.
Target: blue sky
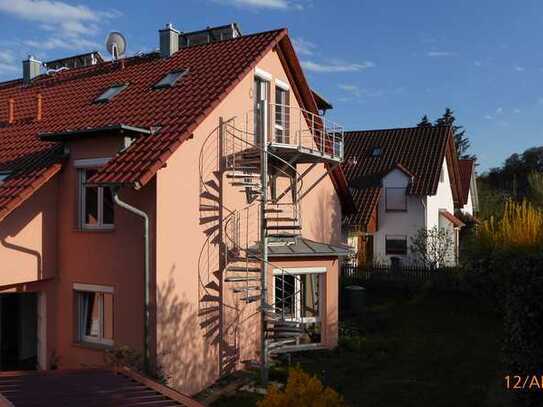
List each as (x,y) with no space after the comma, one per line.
(381,63)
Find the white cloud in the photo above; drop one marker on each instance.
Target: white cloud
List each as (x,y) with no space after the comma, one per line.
(477,63)
(440,53)
(71,25)
(516,110)
(498,112)
(335,66)
(7,60)
(263,4)
(519,68)
(352,89)
(303,47)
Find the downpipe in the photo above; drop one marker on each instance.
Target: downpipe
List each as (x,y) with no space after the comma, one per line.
(146,322)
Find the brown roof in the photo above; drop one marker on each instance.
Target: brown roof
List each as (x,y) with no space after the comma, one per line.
(418,151)
(85,388)
(466,172)
(451,218)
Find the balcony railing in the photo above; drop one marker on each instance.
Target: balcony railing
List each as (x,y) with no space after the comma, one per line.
(290,127)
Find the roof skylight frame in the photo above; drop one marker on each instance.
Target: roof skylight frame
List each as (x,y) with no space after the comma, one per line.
(4,174)
(111,92)
(376,152)
(171,78)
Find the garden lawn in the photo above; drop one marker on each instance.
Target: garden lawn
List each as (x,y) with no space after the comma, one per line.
(418,350)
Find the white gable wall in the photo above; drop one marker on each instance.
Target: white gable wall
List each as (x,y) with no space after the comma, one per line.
(396,223)
(443,199)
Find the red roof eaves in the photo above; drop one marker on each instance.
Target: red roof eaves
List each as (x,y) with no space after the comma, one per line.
(29,190)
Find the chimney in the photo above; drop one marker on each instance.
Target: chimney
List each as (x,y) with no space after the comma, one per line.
(31,69)
(169,41)
(39,107)
(11,110)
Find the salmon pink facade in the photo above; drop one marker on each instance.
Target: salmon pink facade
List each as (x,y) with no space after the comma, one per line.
(190,297)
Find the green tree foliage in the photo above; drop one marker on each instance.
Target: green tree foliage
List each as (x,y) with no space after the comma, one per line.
(461,140)
(535,181)
(424,122)
(512,178)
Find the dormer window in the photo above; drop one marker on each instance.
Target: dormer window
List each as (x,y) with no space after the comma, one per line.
(376,152)
(170,79)
(3,175)
(110,93)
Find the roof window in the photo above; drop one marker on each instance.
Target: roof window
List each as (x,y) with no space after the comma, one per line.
(170,79)
(376,152)
(4,174)
(110,93)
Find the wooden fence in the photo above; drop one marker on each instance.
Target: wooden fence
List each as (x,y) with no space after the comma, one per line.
(447,278)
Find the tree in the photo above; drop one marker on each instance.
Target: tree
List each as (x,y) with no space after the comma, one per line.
(424,122)
(432,247)
(460,139)
(535,180)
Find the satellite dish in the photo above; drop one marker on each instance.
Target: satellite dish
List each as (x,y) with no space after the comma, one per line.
(116,45)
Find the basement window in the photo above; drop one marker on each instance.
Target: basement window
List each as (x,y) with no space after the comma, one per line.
(94,311)
(110,93)
(171,78)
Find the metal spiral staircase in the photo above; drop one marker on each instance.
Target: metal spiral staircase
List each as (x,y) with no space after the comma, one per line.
(235,253)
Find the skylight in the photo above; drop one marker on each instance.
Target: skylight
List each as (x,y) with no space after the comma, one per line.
(376,152)
(171,78)
(3,175)
(110,93)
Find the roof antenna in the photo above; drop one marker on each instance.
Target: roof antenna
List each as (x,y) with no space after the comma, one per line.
(116,45)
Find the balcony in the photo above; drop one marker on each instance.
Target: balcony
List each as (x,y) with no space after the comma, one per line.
(293,134)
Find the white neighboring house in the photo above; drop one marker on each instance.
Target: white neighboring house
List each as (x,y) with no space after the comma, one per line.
(468,179)
(401,181)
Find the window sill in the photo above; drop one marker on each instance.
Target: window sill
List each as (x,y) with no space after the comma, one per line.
(94,230)
(92,346)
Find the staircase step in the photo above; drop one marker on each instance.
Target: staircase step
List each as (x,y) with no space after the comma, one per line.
(245,289)
(207,311)
(283,235)
(273,345)
(208,195)
(240,279)
(208,208)
(237,175)
(213,184)
(273,210)
(208,219)
(281,219)
(211,230)
(209,321)
(210,298)
(283,227)
(243,269)
(295,329)
(282,335)
(250,298)
(244,184)
(212,286)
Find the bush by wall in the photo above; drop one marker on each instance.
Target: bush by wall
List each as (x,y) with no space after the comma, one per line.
(302,390)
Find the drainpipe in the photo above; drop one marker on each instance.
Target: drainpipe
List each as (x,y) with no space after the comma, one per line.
(146,322)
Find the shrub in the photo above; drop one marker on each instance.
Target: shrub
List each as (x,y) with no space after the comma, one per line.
(520,227)
(302,390)
(432,248)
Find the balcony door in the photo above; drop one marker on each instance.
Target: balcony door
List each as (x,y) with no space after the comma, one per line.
(262,87)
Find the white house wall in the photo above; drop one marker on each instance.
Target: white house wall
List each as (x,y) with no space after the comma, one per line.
(397,223)
(442,200)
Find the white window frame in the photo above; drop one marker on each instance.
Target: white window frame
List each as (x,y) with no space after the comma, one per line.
(285,88)
(96,289)
(321,272)
(81,166)
(262,74)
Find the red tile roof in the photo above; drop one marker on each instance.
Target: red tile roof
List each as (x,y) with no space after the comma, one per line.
(87,387)
(451,218)
(418,151)
(466,167)
(68,104)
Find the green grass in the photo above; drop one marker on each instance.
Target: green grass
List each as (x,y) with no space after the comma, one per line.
(425,350)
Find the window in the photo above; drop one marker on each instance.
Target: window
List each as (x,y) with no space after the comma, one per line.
(94,311)
(297,295)
(396,199)
(171,78)
(110,93)
(3,175)
(96,203)
(376,152)
(396,244)
(282,122)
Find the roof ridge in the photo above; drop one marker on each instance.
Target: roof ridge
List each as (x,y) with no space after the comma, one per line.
(353,132)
